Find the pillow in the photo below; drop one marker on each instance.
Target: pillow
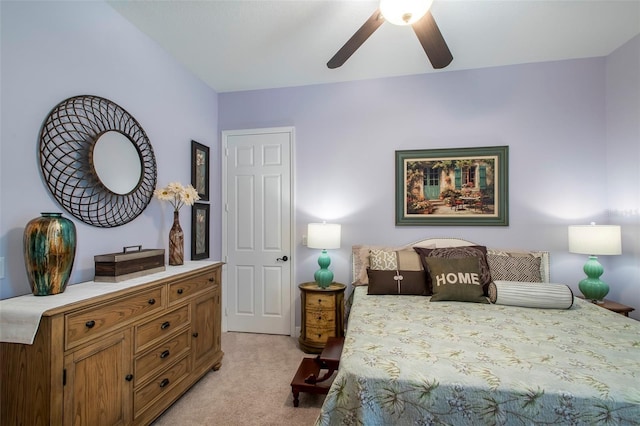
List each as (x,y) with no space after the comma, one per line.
(360,262)
(513,266)
(531,295)
(361,255)
(457,279)
(479,252)
(383,260)
(396,282)
(392,260)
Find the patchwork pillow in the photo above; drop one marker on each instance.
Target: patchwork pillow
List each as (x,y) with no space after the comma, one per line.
(391,260)
(457,279)
(361,255)
(478,252)
(512,266)
(396,282)
(531,295)
(360,262)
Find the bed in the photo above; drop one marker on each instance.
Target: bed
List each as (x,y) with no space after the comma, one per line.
(407,360)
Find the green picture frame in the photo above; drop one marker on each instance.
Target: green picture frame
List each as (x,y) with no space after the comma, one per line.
(453,187)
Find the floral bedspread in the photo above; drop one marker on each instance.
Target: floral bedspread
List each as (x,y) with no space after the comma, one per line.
(407,361)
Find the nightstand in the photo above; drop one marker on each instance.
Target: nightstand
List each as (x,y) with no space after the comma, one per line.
(616,307)
(322,315)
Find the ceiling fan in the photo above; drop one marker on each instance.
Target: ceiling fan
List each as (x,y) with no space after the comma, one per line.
(401,12)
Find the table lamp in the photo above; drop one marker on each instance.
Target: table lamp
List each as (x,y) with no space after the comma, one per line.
(594,240)
(323,236)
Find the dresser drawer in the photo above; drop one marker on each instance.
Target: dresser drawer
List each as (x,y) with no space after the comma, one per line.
(160,356)
(159,328)
(92,322)
(160,385)
(320,334)
(184,289)
(320,301)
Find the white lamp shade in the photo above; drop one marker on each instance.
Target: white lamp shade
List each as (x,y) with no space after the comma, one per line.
(323,236)
(595,239)
(404,12)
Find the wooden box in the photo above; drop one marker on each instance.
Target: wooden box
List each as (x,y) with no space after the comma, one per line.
(116,267)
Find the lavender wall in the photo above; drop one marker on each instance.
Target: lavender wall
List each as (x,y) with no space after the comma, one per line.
(623,169)
(572,128)
(551,115)
(55,50)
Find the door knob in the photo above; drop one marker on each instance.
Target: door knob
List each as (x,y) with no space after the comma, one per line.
(282,259)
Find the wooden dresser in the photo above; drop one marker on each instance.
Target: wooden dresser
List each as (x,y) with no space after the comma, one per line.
(117,359)
(322,315)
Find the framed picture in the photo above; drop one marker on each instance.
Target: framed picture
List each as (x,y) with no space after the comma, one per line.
(459,186)
(199,231)
(200,169)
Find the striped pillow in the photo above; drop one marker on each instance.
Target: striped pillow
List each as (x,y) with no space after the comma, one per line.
(530,295)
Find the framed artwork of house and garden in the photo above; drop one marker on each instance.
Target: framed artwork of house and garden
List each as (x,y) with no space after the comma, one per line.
(458,186)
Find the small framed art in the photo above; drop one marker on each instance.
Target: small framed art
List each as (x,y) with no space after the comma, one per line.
(200,169)
(459,186)
(199,231)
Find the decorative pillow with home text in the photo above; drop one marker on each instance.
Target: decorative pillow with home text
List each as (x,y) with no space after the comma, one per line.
(457,279)
(477,252)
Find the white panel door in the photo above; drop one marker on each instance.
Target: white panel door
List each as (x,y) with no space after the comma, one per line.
(257,170)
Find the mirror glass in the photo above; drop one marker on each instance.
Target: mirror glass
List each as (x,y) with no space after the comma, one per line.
(117,162)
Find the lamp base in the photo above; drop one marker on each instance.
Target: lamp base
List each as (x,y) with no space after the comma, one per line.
(592,287)
(323,276)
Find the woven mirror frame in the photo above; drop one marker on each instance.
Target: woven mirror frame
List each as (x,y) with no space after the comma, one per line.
(67,141)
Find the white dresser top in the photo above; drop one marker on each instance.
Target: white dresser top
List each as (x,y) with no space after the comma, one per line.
(20,316)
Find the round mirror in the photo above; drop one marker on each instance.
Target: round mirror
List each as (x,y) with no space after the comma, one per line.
(117,162)
(97,161)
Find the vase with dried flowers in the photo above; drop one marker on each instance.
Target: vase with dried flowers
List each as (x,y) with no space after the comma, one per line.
(178,195)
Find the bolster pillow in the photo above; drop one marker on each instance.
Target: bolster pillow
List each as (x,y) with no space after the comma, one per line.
(531,295)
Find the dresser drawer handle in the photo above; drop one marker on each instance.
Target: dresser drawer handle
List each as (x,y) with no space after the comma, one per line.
(180,291)
(128,377)
(165,325)
(164,383)
(195,334)
(319,317)
(152,301)
(164,354)
(211,280)
(90,324)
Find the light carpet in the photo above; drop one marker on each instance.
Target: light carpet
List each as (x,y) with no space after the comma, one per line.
(253,387)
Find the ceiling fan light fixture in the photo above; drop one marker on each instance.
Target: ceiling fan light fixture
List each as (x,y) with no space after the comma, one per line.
(404,12)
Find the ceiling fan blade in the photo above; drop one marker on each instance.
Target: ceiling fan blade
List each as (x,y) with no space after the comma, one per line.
(356,40)
(432,41)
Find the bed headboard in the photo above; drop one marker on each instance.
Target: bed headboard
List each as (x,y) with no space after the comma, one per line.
(360,255)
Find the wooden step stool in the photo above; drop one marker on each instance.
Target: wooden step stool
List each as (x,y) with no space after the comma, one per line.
(307,377)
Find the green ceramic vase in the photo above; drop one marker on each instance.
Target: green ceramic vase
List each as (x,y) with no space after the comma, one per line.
(49,245)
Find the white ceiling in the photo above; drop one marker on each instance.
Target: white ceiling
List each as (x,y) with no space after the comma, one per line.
(235,45)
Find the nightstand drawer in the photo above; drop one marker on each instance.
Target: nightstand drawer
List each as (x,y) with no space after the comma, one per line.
(161,327)
(320,335)
(316,301)
(324,319)
(92,322)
